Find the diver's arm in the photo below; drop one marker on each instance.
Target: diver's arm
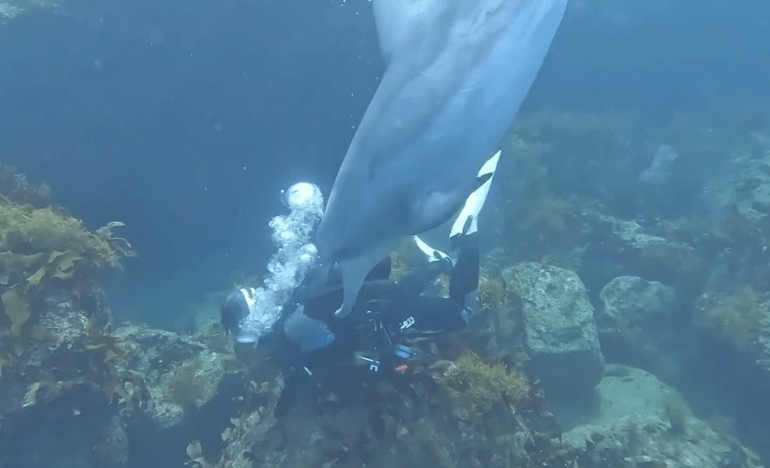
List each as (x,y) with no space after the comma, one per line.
(418,314)
(415,282)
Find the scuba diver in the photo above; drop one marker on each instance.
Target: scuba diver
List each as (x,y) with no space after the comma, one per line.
(313,347)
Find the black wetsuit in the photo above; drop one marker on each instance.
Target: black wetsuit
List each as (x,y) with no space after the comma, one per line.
(386,314)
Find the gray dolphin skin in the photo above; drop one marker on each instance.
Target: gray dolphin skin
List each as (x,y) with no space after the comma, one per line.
(457,73)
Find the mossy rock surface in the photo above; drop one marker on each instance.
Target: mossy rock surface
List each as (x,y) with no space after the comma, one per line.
(559,330)
(739,317)
(28,231)
(641,422)
(179,372)
(53,316)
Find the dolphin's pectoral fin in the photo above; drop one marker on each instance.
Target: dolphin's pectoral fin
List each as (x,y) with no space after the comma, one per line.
(352,280)
(354,271)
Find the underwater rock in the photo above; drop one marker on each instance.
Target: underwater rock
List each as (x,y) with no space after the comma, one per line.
(739,317)
(735,305)
(411,423)
(633,301)
(14,186)
(732,320)
(738,204)
(635,311)
(53,318)
(179,372)
(76,429)
(559,331)
(58,381)
(742,187)
(253,436)
(660,169)
(625,248)
(642,422)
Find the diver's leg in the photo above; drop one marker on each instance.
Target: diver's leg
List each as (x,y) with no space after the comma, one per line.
(414,313)
(417,280)
(465,274)
(464,282)
(432,263)
(438,315)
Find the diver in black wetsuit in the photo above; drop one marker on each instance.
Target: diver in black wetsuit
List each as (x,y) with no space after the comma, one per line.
(312,346)
(315,349)
(386,316)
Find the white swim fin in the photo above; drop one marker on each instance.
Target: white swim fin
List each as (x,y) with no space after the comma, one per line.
(434,255)
(467,222)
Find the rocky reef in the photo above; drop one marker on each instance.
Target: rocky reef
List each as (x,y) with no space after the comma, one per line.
(619,330)
(55,335)
(667,229)
(559,332)
(643,422)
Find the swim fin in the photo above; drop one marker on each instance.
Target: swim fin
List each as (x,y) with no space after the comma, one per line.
(307,333)
(467,222)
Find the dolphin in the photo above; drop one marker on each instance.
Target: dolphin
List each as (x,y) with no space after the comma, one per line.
(456,74)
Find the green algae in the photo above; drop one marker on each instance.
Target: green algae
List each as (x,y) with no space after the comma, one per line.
(484,385)
(17,309)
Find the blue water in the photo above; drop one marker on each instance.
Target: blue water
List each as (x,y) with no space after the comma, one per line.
(193,117)
(184,120)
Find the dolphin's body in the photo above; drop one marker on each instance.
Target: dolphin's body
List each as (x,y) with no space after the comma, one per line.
(457,72)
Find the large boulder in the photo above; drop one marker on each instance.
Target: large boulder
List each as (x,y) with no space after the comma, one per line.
(630,301)
(617,247)
(635,319)
(642,422)
(180,373)
(558,325)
